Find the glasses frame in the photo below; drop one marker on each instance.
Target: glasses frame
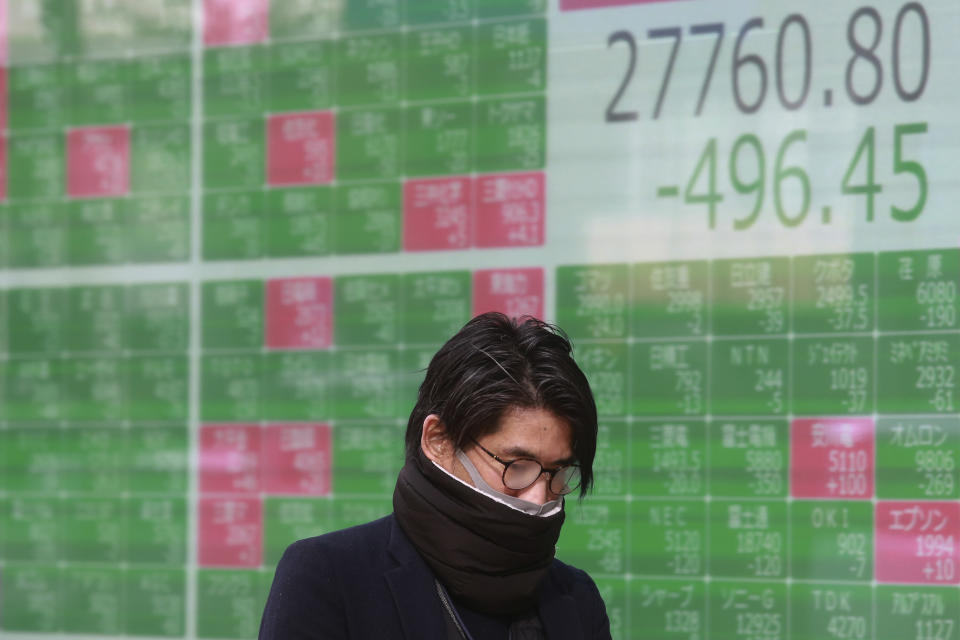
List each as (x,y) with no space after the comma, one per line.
(551,473)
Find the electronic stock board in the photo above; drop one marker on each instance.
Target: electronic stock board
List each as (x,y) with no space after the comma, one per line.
(233,232)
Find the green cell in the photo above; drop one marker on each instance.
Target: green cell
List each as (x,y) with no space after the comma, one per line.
(367,458)
(35,319)
(303,20)
(157,388)
(299,222)
(605,365)
(36,234)
(669,299)
(611,465)
(367,218)
(234,84)
(511,134)
(31,530)
(833,376)
(668,538)
(32,389)
(349,512)
(31,457)
(92,599)
(749,458)
(440,62)
(155,602)
(35,166)
(30,600)
(287,520)
(98,231)
(173,32)
(668,458)
(91,529)
(157,460)
(302,74)
(434,11)
(157,317)
(233,225)
(160,159)
(160,88)
(96,319)
(233,314)
(367,310)
(668,378)
(371,14)
(233,152)
(918,290)
(749,377)
(413,366)
(505,8)
(753,610)
(667,610)
(93,389)
(159,229)
(365,385)
(594,537)
(368,144)
(439,139)
(748,539)
(917,374)
(229,603)
(156,530)
(925,613)
(917,458)
(613,591)
(592,301)
(37,97)
(4,347)
(751,296)
(369,69)
(833,293)
(512,57)
(294,385)
(230,387)
(98,91)
(91,460)
(831,540)
(831,611)
(435,305)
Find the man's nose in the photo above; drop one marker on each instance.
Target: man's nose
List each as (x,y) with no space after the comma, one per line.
(539,491)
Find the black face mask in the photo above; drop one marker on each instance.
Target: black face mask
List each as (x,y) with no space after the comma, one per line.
(489,556)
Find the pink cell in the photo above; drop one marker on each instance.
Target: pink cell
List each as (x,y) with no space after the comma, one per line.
(230,458)
(437,214)
(296,459)
(98,162)
(300,148)
(230,532)
(299,313)
(917,542)
(511,210)
(831,458)
(227,22)
(515,292)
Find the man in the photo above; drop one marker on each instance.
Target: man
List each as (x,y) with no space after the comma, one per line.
(504,426)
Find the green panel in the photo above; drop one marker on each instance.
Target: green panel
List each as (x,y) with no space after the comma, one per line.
(918,290)
(155,602)
(303,19)
(820,611)
(92,600)
(611,465)
(371,14)
(32,389)
(668,458)
(669,299)
(751,296)
(31,458)
(96,319)
(157,460)
(156,530)
(594,537)
(159,229)
(747,610)
(233,225)
(748,539)
(30,599)
(230,387)
(41,30)
(233,81)
(435,305)
(831,540)
(36,234)
(98,91)
(833,293)
(668,378)
(668,538)
(31,531)
(749,377)
(160,88)
(413,366)
(439,139)
(229,603)
(157,388)
(511,134)
(667,610)
(440,62)
(34,321)
(157,317)
(98,232)
(299,222)
(917,374)
(368,144)
(592,301)
(833,376)
(233,314)
(93,389)
(512,57)
(749,458)
(37,97)
(294,385)
(917,458)
(605,366)
(926,613)
(369,69)
(365,386)
(35,166)
(233,154)
(287,520)
(174,31)
(92,460)
(302,74)
(367,310)
(368,218)
(431,11)
(367,458)
(349,512)
(91,529)
(504,8)
(160,159)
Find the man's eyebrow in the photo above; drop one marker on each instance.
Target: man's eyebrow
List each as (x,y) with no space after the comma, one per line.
(520,452)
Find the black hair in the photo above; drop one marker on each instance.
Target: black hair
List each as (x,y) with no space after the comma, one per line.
(495,364)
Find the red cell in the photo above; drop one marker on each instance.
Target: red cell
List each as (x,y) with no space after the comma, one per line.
(831,458)
(98,162)
(230,458)
(511,210)
(299,313)
(230,532)
(515,292)
(917,542)
(437,214)
(296,459)
(227,22)
(300,148)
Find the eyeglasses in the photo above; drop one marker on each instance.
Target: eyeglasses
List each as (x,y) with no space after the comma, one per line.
(521,473)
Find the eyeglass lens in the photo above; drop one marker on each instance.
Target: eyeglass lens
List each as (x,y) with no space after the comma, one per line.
(523,473)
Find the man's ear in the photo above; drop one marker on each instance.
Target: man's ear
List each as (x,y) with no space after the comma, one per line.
(434,441)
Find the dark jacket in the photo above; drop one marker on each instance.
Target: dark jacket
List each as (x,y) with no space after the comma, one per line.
(369,583)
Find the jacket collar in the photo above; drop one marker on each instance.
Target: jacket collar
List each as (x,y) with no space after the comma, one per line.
(558,611)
